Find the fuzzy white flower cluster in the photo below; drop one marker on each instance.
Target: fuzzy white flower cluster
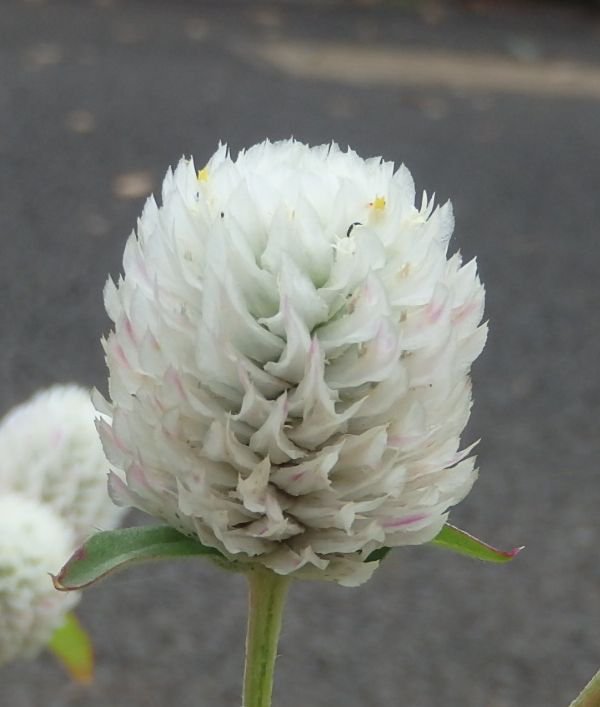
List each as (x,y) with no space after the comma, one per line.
(52,496)
(33,542)
(289,364)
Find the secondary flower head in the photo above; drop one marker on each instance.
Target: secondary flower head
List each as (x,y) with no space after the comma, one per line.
(34,541)
(50,452)
(52,497)
(289,364)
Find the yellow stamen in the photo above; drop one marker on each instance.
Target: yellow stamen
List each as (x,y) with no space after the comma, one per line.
(203,175)
(379,203)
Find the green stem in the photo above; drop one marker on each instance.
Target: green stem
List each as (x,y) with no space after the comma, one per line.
(590,697)
(267,598)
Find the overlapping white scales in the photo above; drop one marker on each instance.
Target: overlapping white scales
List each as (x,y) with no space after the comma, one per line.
(289,364)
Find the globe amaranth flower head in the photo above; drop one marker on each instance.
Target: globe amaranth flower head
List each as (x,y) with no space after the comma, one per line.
(52,497)
(289,364)
(34,541)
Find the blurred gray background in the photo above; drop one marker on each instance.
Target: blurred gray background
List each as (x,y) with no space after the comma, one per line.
(495,106)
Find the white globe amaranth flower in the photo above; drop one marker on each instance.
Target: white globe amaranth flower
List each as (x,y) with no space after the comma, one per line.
(50,452)
(34,541)
(289,364)
(52,497)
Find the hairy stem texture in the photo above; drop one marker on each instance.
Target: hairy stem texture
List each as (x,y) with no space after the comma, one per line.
(267,599)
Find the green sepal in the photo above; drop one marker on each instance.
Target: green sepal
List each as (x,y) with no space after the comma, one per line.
(112,550)
(457,540)
(71,645)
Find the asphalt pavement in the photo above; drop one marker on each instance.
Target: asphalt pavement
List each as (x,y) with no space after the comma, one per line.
(495,107)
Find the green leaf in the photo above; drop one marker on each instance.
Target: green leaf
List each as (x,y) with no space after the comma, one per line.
(71,644)
(459,541)
(111,550)
(590,695)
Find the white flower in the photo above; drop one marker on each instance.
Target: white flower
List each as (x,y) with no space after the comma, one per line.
(289,365)
(50,452)
(34,541)
(52,497)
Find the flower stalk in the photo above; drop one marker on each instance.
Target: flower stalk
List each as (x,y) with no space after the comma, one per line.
(266,601)
(590,696)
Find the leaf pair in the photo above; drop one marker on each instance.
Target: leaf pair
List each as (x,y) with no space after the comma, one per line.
(109,551)
(112,550)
